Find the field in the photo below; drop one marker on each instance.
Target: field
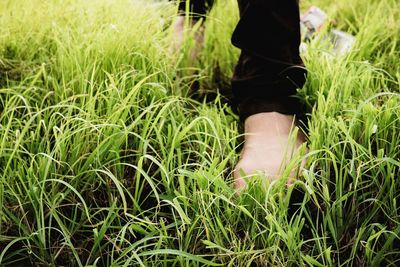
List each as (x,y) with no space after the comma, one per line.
(106,161)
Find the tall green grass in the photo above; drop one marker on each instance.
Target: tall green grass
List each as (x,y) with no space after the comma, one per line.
(104,161)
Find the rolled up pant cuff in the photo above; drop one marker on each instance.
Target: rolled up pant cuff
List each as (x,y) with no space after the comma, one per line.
(197,9)
(289,105)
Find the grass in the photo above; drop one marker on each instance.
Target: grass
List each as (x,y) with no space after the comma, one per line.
(104,161)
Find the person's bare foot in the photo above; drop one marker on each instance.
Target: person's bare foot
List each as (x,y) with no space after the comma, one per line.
(195,30)
(268,146)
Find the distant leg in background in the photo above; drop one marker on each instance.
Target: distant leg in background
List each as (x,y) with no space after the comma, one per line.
(197,11)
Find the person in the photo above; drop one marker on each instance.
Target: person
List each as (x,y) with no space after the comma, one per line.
(265,80)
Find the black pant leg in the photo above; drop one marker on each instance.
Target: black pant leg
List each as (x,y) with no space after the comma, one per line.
(270,68)
(197,8)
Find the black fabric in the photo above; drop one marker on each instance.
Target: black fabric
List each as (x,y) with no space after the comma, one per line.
(269,70)
(197,8)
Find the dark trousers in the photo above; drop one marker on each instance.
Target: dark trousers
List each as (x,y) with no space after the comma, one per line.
(269,70)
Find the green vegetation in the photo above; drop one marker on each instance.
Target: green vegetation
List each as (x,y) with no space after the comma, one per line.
(104,161)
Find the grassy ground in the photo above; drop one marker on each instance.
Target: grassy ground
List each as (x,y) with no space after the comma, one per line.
(105,162)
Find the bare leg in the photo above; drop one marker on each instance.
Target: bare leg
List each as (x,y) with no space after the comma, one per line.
(195,31)
(268,146)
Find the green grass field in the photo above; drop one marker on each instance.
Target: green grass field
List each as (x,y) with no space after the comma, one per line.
(105,161)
